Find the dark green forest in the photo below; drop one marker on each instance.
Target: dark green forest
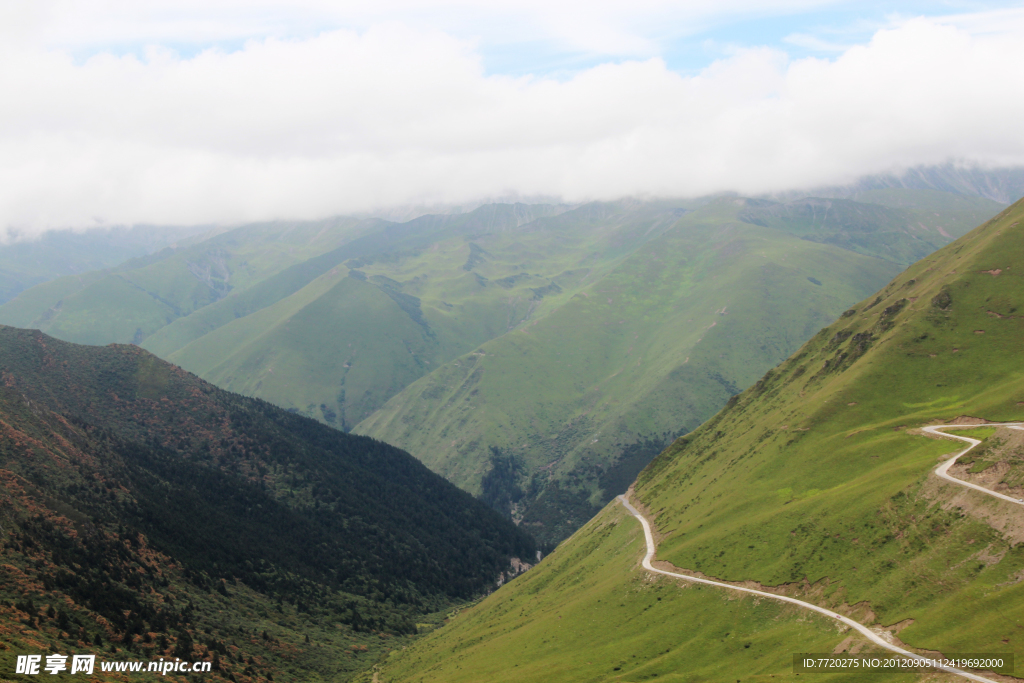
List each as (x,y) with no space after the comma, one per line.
(139,495)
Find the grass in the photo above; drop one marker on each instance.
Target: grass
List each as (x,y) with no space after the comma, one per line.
(61,253)
(815,479)
(653,347)
(590,613)
(998,447)
(131,301)
(339,347)
(975,457)
(576,343)
(834,488)
(374,350)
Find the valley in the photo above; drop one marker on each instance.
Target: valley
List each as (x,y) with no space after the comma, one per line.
(145,513)
(840,507)
(518,342)
(538,356)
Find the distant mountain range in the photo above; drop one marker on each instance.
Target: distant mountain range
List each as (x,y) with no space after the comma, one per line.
(1003,185)
(146,513)
(551,419)
(536,355)
(26,262)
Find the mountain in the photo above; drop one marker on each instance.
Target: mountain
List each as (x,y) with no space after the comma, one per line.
(551,420)
(26,262)
(898,225)
(148,511)
(536,355)
(366,322)
(129,302)
(816,482)
(1003,185)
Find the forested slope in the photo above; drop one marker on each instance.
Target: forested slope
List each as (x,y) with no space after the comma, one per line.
(151,509)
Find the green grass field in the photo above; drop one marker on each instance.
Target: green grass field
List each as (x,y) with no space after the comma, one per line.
(831,480)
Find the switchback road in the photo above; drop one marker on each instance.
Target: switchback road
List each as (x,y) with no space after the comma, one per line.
(941,471)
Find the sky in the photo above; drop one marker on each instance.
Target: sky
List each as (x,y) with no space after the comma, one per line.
(224,111)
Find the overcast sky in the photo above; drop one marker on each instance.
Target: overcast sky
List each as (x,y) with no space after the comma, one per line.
(182,111)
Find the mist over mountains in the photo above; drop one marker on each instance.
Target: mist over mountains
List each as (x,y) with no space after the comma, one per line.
(537,355)
(1004,185)
(449,342)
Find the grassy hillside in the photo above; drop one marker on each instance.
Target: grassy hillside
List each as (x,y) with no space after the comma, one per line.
(341,346)
(820,449)
(997,464)
(815,480)
(590,613)
(557,350)
(1003,185)
(130,301)
(553,419)
(31,261)
(338,349)
(901,225)
(146,513)
(380,238)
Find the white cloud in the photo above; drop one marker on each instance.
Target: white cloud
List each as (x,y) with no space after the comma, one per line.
(815,43)
(350,120)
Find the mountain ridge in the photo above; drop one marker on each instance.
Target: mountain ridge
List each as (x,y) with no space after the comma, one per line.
(455,301)
(685,321)
(159,514)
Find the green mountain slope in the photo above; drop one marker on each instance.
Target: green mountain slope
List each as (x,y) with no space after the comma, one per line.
(555,418)
(32,261)
(588,612)
(341,346)
(129,302)
(999,184)
(901,226)
(815,481)
(385,237)
(1003,185)
(338,349)
(941,340)
(163,516)
(558,350)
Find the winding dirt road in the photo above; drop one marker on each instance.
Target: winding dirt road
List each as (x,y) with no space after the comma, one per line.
(943,469)
(874,637)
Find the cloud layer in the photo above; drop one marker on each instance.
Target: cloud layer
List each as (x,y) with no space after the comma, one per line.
(354,120)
